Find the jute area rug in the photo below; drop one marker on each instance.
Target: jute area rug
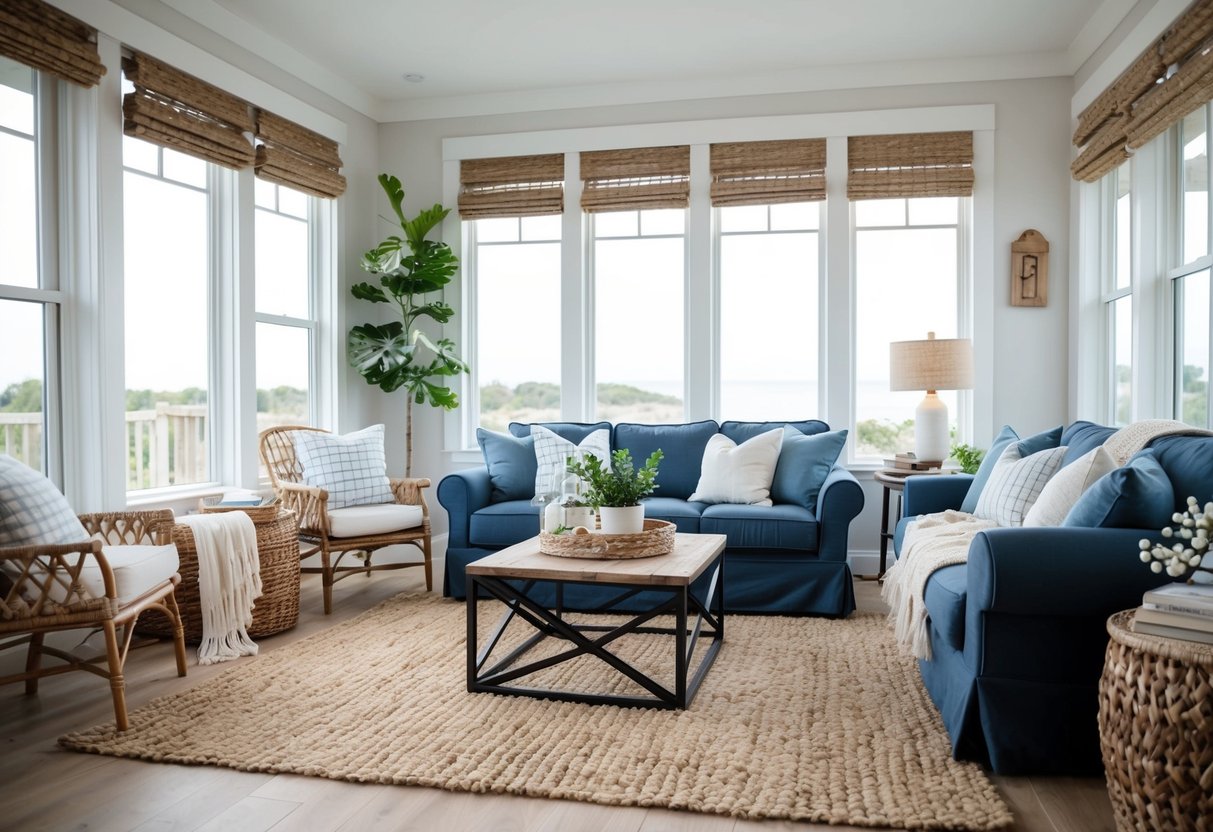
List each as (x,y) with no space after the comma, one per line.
(799,718)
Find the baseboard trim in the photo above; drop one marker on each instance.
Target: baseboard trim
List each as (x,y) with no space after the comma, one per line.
(866,563)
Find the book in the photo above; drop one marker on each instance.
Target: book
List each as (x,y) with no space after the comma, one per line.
(241,498)
(1150,615)
(909,462)
(1189,599)
(1171,632)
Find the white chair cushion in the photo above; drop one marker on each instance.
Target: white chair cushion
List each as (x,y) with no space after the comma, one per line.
(137,569)
(356,521)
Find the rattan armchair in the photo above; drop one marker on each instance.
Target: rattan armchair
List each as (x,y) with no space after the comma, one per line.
(45,590)
(310,503)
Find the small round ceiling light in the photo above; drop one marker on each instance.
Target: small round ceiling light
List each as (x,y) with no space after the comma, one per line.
(413,77)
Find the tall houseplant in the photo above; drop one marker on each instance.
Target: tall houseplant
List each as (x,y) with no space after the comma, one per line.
(394,355)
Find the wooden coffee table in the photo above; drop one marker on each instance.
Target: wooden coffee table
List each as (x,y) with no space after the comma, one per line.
(511,575)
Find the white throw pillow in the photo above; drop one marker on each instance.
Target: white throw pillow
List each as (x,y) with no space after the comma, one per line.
(1062,491)
(1016,483)
(351,468)
(552,449)
(733,473)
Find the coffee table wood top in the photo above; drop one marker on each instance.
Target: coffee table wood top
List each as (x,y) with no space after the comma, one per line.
(692,554)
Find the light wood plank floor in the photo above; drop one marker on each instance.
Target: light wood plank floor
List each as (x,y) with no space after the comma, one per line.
(44,788)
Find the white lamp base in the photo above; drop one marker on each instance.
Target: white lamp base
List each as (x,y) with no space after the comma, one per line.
(931,428)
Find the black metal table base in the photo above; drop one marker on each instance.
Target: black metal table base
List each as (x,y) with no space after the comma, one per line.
(593,639)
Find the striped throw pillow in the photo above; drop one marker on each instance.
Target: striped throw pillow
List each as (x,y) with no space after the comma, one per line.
(351,468)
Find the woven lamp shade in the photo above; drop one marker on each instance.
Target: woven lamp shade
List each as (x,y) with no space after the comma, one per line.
(38,35)
(933,364)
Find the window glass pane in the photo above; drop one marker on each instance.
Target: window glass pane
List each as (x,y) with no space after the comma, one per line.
(541,228)
(517,364)
(1124,229)
(768,360)
(905,287)
(140,155)
(880,212)
(793,216)
(500,230)
(1195,187)
(16,97)
(22,374)
(292,202)
(616,224)
(638,300)
(18,212)
(1122,360)
(265,194)
(282,265)
(167,343)
(283,375)
(183,168)
(1192,298)
(663,221)
(933,210)
(743,218)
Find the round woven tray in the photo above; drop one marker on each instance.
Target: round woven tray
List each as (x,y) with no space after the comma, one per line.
(656,539)
(1156,729)
(278,607)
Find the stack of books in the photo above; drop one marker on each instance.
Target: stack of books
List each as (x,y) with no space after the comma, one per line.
(907,464)
(1182,611)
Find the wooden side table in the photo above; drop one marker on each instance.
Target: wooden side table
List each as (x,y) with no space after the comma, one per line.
(1156,729)
(890,482)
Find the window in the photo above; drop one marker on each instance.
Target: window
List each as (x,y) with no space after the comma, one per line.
(1118,298)
(639,273)
(29,300)
(516,263)
(286,323)
(909,264)
(1190,280)
(768,361)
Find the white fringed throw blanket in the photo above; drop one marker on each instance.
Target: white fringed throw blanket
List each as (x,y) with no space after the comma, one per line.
(932,542)
(1132,438)
(229,579)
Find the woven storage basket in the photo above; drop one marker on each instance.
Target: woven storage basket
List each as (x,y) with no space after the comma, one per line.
(656,539)
(258,514)
(278,607)
(1156,730)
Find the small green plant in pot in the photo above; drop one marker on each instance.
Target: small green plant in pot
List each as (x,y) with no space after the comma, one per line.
(968,457)
(616,487)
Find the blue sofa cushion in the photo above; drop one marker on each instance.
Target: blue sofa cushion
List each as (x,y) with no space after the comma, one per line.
(1082,437)
(511,464)
(804,463)
(682,514)
(504,524)
(683,446)
(1137,495)
(945,600)
(741,431)
(1188,461)
(762,527)
(574,432)
(1005,437)
(1042,441)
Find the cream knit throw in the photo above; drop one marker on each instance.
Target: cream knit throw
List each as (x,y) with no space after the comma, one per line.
(229,579)
(932,542)
(1132,438)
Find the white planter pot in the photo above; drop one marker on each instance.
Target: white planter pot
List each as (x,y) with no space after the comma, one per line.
(622,520)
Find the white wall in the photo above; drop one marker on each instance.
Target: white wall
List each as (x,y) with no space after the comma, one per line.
(1031,191)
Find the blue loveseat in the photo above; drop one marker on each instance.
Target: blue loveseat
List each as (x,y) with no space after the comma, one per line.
(1018,632)
(786,559)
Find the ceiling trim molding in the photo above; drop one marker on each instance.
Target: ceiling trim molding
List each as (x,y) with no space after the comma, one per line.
(1098,28)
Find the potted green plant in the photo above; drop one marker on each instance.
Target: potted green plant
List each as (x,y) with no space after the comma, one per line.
(967,456)
(616,487)
(393,355)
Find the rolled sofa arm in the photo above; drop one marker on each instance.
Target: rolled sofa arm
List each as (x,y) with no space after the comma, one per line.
(838,503)
(462,494)
(931,494)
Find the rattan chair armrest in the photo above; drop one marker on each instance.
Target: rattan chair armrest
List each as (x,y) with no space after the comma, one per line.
(309,503)
(409,492)
(131,527)
(52,554)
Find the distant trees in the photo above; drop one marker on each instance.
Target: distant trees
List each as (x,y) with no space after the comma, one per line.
(22,397)
(26,397)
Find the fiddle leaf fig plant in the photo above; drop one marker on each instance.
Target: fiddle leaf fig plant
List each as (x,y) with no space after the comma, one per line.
(399,354)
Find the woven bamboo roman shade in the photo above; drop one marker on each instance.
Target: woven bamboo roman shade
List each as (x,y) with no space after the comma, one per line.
(39,35)
(761,173)
(511,186)
(294,156)
(643,177)
(173,109)
(910,165)
(1173,77)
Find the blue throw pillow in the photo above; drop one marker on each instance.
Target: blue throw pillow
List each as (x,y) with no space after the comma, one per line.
(511,464)
(804,463)
(744,431)
(1135,496)
(1005,437)
(682,445)
(1038,442)
(1081,438)
(574,432)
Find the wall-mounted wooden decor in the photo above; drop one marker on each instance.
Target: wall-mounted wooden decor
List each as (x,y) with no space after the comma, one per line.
(1030,269)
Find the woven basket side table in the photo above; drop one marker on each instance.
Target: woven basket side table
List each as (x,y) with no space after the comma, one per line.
(278,607)
(1156,730)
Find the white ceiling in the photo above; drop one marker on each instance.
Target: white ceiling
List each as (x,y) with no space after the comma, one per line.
(487,56)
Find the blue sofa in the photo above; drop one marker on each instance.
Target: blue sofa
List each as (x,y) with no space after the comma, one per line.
(1018,632)
(786,559)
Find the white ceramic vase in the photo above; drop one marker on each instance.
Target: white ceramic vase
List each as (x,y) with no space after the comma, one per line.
(622,519)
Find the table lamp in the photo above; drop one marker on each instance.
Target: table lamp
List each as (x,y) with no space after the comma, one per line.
(930,365)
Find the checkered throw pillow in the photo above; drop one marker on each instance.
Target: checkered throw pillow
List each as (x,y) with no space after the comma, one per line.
(351,468)
(554,450)
(1015,483)
(32,510)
